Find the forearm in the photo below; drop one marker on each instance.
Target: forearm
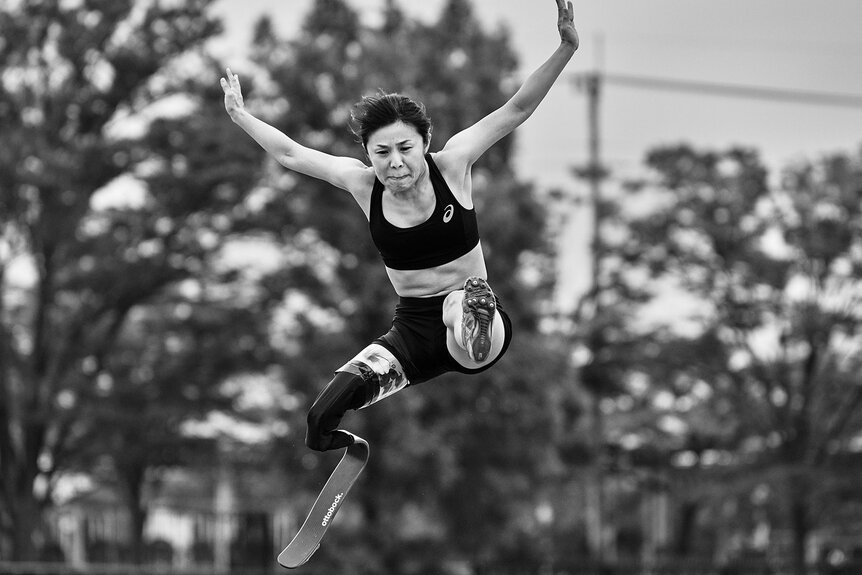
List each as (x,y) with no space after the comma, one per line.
(538,84)
(271,139)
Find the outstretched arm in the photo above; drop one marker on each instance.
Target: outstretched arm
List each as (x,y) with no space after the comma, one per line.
(471,143)
(339,171)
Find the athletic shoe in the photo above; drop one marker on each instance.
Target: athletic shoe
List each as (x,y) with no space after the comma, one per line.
(478,319)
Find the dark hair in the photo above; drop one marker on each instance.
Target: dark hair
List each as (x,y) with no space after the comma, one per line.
(374,112)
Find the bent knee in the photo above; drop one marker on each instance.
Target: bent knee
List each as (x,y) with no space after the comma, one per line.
(452,308)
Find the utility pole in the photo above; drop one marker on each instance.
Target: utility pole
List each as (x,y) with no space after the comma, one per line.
(594,173)
(588,312)
(589,315)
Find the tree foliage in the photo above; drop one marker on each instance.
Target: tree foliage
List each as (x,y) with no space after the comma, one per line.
(765,380)
(151,253)
(445,455)
(112,215)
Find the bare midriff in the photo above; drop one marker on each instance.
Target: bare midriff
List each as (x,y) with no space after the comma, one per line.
(439,280)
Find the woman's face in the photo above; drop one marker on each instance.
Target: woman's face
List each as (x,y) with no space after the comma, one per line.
(397,154)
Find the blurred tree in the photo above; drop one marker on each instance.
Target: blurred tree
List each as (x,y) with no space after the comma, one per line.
(765,379)
(458,460)
(117,319)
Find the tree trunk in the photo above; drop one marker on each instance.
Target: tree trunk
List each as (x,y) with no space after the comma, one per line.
(139,518)
(686,530)
(27,527)
(800,525)
(374,494)
(132,477)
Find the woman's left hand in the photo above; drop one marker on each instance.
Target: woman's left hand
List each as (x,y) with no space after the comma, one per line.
(233,102)
(566,23)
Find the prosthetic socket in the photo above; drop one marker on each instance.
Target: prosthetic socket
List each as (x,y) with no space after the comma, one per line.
(380,371)
(367,378)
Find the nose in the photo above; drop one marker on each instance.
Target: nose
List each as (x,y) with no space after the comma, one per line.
(395,160)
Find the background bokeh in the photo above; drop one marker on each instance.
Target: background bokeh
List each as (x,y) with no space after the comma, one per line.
(676,233)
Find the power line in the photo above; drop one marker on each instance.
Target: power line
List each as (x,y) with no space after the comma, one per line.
(729,90)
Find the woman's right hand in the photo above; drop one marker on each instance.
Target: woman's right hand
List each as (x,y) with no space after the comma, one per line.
(232,93)
(566,24)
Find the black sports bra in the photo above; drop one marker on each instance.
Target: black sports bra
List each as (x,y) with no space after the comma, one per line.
(448,234)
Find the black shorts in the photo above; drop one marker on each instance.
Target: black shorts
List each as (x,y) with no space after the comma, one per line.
(417,338)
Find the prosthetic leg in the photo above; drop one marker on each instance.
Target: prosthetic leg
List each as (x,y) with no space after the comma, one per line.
(366,379)
(372,375)
(307,540)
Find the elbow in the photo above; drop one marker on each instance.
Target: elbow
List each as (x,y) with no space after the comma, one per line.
(283,158)
(286,156)
(521,111)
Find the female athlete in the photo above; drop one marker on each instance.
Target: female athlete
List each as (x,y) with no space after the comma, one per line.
(419,207)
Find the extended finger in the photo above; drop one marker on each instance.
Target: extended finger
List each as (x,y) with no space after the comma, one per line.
(233,79)
(228,88)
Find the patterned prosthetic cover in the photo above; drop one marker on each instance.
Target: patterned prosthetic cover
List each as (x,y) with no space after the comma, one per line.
(377,366)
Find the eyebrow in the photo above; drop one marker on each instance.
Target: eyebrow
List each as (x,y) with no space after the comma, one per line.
(401,143)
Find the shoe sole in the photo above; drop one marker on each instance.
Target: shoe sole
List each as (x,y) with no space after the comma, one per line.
(479,300)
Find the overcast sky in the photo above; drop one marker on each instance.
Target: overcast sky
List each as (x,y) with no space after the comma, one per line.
(794,45)
(798,45)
